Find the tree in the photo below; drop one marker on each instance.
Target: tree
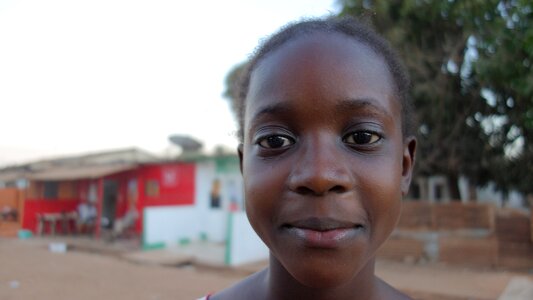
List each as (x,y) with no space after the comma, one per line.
(503,68)
(449,48)
(231,82)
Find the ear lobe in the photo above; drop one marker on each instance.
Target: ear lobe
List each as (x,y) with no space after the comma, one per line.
(408,162)
(239,151)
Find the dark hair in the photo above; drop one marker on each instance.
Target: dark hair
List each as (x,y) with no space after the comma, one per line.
(347,26)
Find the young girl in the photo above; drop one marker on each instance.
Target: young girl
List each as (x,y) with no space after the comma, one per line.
(327,152)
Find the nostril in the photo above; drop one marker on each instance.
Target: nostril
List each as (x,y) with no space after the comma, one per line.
(303,190)
(338,189)
(319,178)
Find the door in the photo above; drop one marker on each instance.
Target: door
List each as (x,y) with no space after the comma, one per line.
(110,203)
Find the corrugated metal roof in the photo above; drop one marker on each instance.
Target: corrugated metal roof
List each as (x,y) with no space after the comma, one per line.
(121,156)
(80,172)
(8,176)
(86,166)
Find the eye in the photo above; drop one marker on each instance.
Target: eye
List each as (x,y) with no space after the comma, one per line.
(362,138)
(275,141)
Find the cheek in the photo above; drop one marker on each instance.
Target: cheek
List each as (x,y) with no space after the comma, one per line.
(382,191)
(262,189)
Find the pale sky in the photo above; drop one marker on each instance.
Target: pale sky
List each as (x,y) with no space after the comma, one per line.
(84,76)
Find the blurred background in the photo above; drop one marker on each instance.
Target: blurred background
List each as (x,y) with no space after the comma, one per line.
(118,172)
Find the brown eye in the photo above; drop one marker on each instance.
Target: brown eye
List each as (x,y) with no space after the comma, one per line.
(275,142)
(362,138)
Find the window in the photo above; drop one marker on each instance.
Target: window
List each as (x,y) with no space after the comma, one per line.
(132,190)
(415,191)
(214,195)
(438,192)
(151,188)
(50,190)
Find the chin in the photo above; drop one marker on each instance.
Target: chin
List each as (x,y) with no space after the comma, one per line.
(322,271)
(322,279)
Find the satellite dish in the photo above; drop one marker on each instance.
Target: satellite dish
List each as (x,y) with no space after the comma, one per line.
(187,143)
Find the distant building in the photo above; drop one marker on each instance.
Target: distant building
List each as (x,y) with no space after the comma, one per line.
(435,189)
(193,197)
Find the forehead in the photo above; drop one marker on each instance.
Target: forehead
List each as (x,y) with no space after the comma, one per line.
(321,66)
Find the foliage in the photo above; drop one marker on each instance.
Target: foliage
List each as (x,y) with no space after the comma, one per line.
(504,68)
(231,84)
(469,62)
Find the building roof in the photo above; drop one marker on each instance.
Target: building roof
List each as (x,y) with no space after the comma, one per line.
(80,172)
(100,164)
(12,175)
(86,166)
(128,155)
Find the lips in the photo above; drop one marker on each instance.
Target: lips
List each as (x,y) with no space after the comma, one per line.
(324,233)
(322,224)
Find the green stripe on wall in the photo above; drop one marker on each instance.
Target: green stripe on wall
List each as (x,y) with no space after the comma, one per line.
(184,241)
(143,233)
(227,164)
(154,246)
(229,238)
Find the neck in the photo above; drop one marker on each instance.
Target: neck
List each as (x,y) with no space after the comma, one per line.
(282,285)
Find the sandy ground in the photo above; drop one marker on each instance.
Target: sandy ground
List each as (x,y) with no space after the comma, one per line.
(28,270)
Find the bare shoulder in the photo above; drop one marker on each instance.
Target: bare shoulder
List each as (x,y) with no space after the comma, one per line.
(389,292)
(248,288)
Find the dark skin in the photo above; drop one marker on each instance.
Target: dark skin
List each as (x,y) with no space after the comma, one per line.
(325,166)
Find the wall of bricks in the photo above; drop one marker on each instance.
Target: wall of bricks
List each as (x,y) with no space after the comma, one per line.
(470,234)
(446,216)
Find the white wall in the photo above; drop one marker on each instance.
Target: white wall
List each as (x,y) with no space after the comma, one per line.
(213,222)
(433,182)
(231,184)
(167,225)
(204,175)
(232,189)
(489,194)
(170,224)
(245,246)
(215,225)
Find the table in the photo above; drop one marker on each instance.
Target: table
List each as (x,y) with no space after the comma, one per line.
(53,218)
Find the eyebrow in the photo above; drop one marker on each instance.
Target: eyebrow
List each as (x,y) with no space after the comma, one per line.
(272,109)
(368,104)
(351,104)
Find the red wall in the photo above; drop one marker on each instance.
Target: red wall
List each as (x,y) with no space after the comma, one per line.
(176,184)
(34,206)
(176,187)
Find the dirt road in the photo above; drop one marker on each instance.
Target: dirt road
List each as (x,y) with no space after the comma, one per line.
(28,270)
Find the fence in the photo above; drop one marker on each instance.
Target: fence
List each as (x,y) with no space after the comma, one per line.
(473,234)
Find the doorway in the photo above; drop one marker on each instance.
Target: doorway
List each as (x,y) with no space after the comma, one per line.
(109,205)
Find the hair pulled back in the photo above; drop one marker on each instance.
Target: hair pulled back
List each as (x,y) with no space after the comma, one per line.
(348,26)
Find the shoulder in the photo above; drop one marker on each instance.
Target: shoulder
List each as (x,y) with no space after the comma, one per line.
(248,288)
(388,292)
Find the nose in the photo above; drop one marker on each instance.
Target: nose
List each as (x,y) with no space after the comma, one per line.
(320,168)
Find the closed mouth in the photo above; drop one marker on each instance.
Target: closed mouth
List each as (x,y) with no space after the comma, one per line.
(322,224)
(323,233)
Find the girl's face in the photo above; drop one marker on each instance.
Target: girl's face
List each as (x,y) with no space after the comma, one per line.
(323,159)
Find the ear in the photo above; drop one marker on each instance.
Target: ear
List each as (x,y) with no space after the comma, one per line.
(408,162)
(239,150)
